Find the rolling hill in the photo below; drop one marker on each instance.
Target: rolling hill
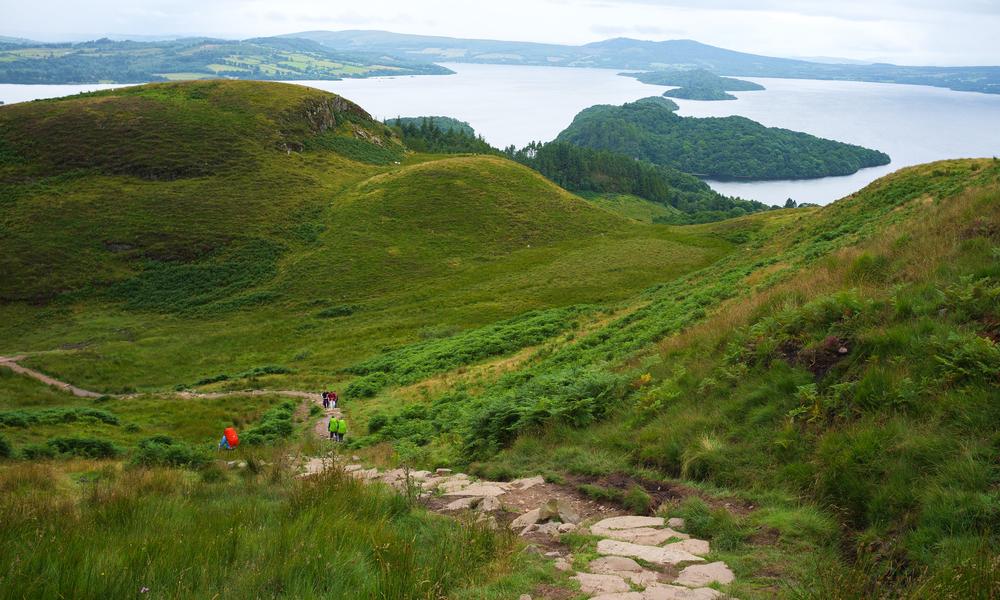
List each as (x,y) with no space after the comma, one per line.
(108,61)
(626,53)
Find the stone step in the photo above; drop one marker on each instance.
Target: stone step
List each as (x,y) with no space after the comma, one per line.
(650,554)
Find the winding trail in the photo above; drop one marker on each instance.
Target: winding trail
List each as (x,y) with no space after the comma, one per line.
(12,363)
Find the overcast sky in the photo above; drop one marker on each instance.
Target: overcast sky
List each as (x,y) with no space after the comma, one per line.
(941,32)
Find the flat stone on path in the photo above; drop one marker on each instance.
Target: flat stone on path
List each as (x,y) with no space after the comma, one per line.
(601,584)
(463,503)
(646,536)
(626,568)
(478,489)
(699,547)
(620,596)
(676,592)
(650,554)
(527,482)
(701,575)
(628,522)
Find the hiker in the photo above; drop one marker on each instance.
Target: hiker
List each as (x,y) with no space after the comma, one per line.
(229,439)
(341,429)
(333,427)
(326,399)
(334,398)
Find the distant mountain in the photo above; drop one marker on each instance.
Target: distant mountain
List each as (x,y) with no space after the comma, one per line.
(112,61)
(626,53)
(4,39)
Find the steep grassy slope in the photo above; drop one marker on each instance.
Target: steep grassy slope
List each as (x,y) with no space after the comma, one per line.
(838,377)
(272,223)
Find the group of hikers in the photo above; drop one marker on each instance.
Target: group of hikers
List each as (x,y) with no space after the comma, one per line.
(337,425)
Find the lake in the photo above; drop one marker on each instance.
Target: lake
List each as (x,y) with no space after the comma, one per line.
(516,105)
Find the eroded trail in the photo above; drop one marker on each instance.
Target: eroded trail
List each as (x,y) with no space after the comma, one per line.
(12,363)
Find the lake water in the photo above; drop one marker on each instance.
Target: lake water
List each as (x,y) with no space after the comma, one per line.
(516,105)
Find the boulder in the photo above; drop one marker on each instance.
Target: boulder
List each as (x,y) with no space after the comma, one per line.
(550,529)
(567,527)
(675,522)
(702,575)
(463,503)
(443,471)
(601,584)
(529,518)
(650,554)
(557,510)
(562,564)
(489,503)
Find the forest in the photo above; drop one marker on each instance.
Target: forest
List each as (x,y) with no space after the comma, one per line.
(696,84)
(717,147)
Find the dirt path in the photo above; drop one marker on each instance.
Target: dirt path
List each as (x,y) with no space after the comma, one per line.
(11,362)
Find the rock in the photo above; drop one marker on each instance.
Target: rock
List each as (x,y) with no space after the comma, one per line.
(646,536)
(675,523)
(487,520)
(550,529)
(489,503)
(355,457)
(676,592)
(614,564)
(650,554)
(442,471)
(524,597)
(563,565)
(463,504)
(419,475)
(601,584)
(353,468)
(626,568)
(629,522)
(529,529)
(557,510)
(702,575)
(231,464)
(567,527)
(477,489)
(620,596)
(527,482)
(699,547)
(453,485)
(241,465)
(552,554)
(529,518)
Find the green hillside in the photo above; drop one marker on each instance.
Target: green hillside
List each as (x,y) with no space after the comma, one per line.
(813,390)
(718,147)
(108,61)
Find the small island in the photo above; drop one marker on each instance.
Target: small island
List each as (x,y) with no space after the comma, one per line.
(696,84)
(727,148)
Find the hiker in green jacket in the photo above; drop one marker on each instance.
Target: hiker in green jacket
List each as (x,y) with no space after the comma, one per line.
(341,429)
(332,427)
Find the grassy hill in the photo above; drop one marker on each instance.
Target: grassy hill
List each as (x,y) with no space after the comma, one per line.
(199,208)
(814,390)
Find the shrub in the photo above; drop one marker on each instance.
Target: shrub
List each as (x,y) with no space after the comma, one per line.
(86,447)
(37,452)
(164,451)
(377,422)
(6,451)
(275,425)
(637,501)
(52,416)
(340,310)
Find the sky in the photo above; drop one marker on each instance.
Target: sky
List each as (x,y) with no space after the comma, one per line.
(914,32)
